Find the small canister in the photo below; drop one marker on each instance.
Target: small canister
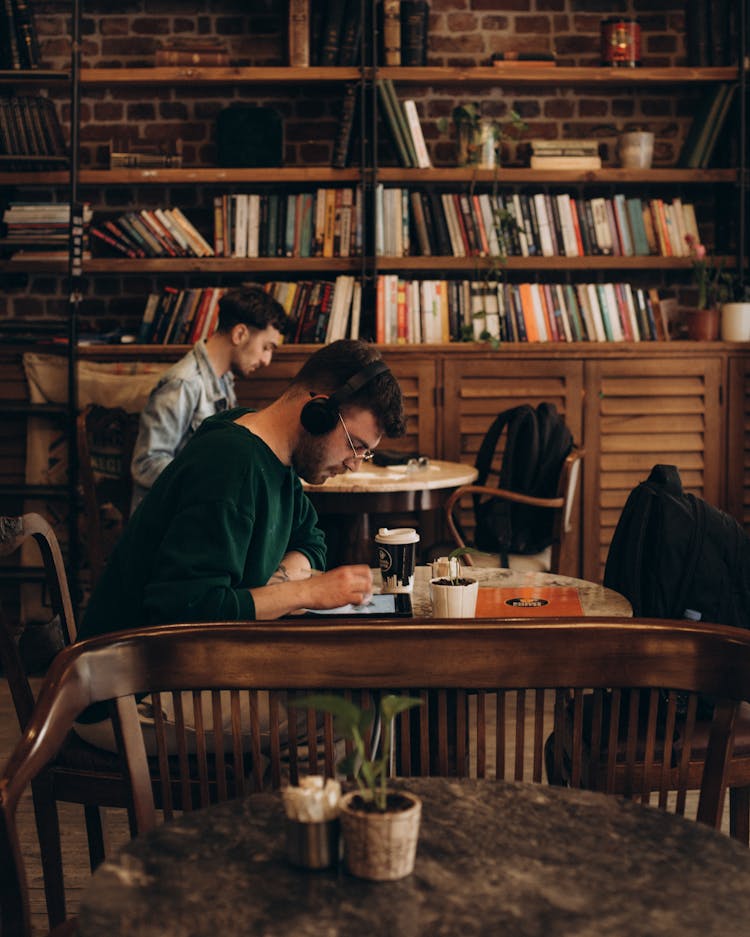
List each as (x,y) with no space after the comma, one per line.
(621,41)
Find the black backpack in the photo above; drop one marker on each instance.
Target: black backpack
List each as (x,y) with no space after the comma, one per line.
(672,552)
(537,443)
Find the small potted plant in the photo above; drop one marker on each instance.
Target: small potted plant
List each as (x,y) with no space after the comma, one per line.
(454,595)
(380,827)
(478,138)
(714,288)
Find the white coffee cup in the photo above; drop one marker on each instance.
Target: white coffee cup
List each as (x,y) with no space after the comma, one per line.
(397,553)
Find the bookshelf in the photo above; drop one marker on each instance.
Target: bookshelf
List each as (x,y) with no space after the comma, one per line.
(131,90)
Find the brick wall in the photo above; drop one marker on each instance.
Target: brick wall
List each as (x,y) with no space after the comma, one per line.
(461,32)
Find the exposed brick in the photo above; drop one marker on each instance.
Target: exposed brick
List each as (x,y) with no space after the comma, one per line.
(114,26)
(588,107)
(559,108)
(108,110)
(533,24)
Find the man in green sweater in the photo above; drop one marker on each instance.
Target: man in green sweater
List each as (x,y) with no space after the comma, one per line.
(227,532)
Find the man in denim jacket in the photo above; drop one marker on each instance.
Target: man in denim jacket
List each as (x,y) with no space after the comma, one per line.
(250,326)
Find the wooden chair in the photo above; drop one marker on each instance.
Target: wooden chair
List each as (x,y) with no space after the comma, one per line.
(559,558)
(507,683)
(80,773)
(105,438)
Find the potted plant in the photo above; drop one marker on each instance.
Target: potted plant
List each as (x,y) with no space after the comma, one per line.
(380,827)
(478,138)
(452,594)
(714,288)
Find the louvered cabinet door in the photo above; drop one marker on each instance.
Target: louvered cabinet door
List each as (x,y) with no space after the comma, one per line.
(738,441)
(640,413)
(475,390)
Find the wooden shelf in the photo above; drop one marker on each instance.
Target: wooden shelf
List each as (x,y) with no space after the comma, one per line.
(277,266)
(563,75)
(539,264)
(217,176)
(288,175)
(33,76)
(513,175)
(220,75)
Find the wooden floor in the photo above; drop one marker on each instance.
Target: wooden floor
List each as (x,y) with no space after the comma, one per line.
(75,852)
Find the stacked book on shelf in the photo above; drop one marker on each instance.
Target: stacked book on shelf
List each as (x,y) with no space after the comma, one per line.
(320,310)
(30,134)
(143,156)
(150,233)
(19,48)
(429,222)
(41,228)
(439,311)
(402,120)
(323,223)
(192,50)
(565,154)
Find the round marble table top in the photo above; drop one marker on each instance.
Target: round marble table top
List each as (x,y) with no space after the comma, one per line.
(595,600)
(375,478)
(494,858)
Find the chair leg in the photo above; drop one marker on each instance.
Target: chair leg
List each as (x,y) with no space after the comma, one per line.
(48,831)
(96,834)
(739,814)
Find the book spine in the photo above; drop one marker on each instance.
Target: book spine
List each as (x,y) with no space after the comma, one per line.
(414,18)
(391,31)
(344,130)
(415,128)
(299,33)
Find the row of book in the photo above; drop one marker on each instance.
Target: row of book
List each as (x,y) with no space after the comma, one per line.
(30,134)
(38,225)
(427,222)
(713,29)
(323,223)
(428,311)
(328,32)
(319,310)
(18,41)
(151,233)
(324,33)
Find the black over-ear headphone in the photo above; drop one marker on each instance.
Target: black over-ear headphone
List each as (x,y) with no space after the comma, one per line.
(321,414)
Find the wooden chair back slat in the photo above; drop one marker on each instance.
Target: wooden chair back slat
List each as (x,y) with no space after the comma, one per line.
(669,730)
(163,757)
(548,668)
(597,721)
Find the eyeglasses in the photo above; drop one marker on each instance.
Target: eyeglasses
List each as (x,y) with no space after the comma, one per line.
(363,455)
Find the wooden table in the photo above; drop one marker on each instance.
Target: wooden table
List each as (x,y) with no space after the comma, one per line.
(595,599)
(345,502)
(494,858)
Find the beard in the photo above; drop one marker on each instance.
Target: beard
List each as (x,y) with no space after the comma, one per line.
(309,460)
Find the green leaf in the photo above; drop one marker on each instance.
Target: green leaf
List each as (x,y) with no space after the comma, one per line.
(391,705)
(347,715)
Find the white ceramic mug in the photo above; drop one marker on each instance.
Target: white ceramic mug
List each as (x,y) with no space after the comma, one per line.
(397,553)
(636,149)
(735,322)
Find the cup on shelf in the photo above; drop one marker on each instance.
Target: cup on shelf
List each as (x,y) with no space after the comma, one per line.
(635,150)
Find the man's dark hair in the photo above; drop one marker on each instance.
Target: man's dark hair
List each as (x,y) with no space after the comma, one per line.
(331,367)
(252,306)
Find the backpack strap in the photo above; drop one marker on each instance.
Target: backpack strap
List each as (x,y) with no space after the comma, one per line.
(487,448)
(521,453)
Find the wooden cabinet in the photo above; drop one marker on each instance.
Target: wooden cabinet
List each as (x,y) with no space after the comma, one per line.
(639,413)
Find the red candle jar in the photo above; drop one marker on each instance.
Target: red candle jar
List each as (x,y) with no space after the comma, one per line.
(621,41)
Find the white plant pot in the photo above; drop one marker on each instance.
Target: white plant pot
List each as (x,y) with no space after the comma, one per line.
(449,601)
(735,322)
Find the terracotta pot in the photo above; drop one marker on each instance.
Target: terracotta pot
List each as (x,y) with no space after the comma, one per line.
(380,846)
(703,324)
